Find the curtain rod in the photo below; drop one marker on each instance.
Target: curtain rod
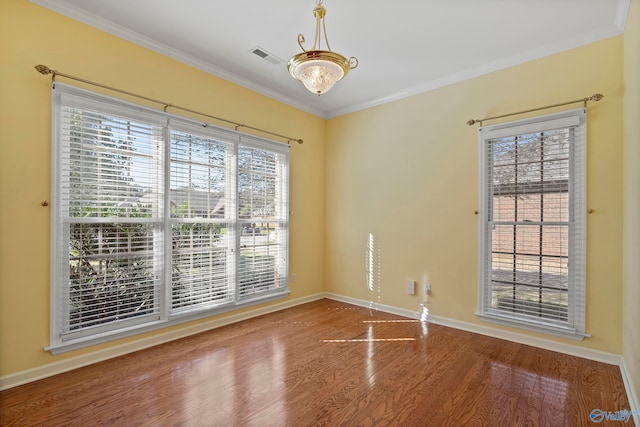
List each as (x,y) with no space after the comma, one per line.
(43,69)
(595,98)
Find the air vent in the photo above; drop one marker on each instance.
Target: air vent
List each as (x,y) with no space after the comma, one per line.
(266,55)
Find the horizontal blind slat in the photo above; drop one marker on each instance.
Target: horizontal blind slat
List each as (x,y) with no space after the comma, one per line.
(111,168)
(529,171)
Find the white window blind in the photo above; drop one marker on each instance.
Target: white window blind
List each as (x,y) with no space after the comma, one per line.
(532,230)
(202,204)
(157,219)
(109,254)
(263,223)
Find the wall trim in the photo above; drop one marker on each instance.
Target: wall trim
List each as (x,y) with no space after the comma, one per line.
(544,343)
(30,375)
(497,65)
(373,305)
(547,344)
(69,364)
(621,15)
(558,46)
(634,402)
(102,24)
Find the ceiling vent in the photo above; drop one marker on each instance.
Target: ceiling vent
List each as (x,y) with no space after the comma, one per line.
(266,55)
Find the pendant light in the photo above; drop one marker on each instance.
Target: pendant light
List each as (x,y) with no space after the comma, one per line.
(319,69)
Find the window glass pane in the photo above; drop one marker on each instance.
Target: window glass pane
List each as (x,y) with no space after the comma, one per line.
(110,167)
(200,275)
(198,176)
(109,170)
(151,229)
(258,181)
(262,212)
(112,274)
(262,251)
(529,229)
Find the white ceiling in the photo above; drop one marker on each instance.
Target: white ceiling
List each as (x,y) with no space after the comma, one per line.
(404,46)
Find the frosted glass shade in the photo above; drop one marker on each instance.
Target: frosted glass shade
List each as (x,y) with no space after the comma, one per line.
(318,76)
(318,70)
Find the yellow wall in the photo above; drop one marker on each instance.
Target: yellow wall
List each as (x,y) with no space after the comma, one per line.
(406,172)
(31,35)
(631,330)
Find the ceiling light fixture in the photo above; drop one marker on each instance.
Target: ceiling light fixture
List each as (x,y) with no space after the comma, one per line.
(319,69)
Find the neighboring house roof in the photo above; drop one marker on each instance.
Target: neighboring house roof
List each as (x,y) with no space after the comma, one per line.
(193,202)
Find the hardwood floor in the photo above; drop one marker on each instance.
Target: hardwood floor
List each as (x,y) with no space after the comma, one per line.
(325,364)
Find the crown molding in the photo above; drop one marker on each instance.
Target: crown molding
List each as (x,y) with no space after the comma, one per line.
(521,58)
(148,43)
(617,28)
(621,14)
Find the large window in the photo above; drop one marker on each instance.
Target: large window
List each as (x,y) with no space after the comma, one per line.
(532,223)
(158,219)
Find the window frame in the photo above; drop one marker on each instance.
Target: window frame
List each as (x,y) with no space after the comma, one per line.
(574,327)
(164,315)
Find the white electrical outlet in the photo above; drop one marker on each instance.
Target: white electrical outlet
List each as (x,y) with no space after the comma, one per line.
(427,289)
(293,277)
(411,287)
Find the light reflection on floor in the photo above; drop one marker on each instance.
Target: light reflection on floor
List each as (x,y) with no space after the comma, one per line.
(391,321)
(370,364)
(327,363)
(215,389)
(541,393)
(370,340)
(214,385)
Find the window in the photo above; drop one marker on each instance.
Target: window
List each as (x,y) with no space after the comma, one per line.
(532,223)
(158,219)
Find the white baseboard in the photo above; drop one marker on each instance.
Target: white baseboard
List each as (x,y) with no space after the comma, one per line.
(547,344)
(69,364)
(23,377)
(373,305)
(573,350)
(631,392)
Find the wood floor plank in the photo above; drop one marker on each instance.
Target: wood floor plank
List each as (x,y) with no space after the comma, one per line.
(325,363)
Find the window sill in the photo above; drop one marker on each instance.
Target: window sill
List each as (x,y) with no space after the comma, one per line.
(78,343)
(543,328)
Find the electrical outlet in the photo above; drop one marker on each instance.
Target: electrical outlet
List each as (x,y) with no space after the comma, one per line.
(411,287)
(427,288)
(293,277)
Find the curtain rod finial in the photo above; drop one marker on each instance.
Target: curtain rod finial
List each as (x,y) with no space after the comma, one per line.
(472,122)
(43,69)
(596,97)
